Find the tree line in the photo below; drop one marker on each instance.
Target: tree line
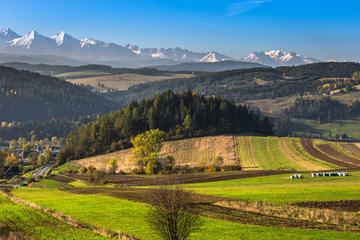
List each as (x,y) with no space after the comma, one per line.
(179,115)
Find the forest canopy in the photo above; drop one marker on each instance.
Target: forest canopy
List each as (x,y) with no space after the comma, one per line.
(178,115)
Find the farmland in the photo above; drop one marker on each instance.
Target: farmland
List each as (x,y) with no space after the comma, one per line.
(250,152)
(119,81)
(281,189)
(263,190)
(129,216)
(27,223)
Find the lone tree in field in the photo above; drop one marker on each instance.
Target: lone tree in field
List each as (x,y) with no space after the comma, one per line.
(146,149)
(172,214)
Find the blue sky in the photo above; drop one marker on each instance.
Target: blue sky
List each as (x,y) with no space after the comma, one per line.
(327,29)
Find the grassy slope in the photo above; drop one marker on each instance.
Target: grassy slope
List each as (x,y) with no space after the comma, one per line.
(281,189)
(271,153)
(122,215)
(38,226)
(254,153)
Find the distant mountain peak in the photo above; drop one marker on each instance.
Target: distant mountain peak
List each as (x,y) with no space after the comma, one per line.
(86,42)
(6,34)
(279,58)
(62,38)
(213,57)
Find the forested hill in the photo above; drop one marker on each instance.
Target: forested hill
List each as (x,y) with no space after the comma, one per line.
(248,84)
(26,96)
(179,115)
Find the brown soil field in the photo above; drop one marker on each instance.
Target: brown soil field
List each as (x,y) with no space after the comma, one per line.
(328,150)
(345,206)
(310,148)
(138,180)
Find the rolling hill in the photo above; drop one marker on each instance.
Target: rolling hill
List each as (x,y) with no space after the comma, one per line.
(248,152)
(27,96)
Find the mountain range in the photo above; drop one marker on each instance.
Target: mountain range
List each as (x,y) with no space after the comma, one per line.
(89,50)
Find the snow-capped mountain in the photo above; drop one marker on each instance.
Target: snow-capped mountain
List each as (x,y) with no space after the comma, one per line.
(279,58)
(97,51)
(213,57)
(178,54)
(6,34)
(34,42)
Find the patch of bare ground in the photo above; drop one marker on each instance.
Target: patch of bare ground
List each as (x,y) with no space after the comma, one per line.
(208,206)
(344,205)
(136,180)
(6,233)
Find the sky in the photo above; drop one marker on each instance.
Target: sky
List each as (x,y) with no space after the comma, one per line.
(325,29)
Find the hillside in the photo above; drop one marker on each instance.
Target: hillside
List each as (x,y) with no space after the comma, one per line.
(27,96)
(249,152)
(178,115)
(252,84)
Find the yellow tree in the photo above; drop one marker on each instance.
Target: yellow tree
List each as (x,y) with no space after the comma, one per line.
(146,149)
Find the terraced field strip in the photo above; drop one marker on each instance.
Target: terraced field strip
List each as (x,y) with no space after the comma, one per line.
(352,148)
(282,154)
(303,158)
(310,148)
(246,154)
(286,145)
(262,153)
(329,151)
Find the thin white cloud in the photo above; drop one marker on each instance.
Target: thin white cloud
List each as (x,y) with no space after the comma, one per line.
(241,7)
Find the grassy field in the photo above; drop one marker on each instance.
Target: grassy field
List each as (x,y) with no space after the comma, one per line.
(127,216)
(251,152)
(80,74)
(31,224)
(125,80)
(281,189)
(311,127)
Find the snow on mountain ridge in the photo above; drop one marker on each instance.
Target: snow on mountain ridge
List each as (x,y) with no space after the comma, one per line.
(279,58)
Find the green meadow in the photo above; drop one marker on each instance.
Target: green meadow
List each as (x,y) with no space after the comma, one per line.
(129,217)
(282,189)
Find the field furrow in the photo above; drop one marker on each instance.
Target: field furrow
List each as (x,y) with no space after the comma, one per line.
(310,148)
(247,159)
(329,151)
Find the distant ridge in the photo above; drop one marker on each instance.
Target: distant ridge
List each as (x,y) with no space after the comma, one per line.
(209,66)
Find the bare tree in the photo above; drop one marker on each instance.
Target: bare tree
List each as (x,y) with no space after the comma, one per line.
(172,214)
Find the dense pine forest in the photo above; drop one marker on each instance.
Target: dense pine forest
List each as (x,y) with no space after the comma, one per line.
(27,96)
(179,115)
